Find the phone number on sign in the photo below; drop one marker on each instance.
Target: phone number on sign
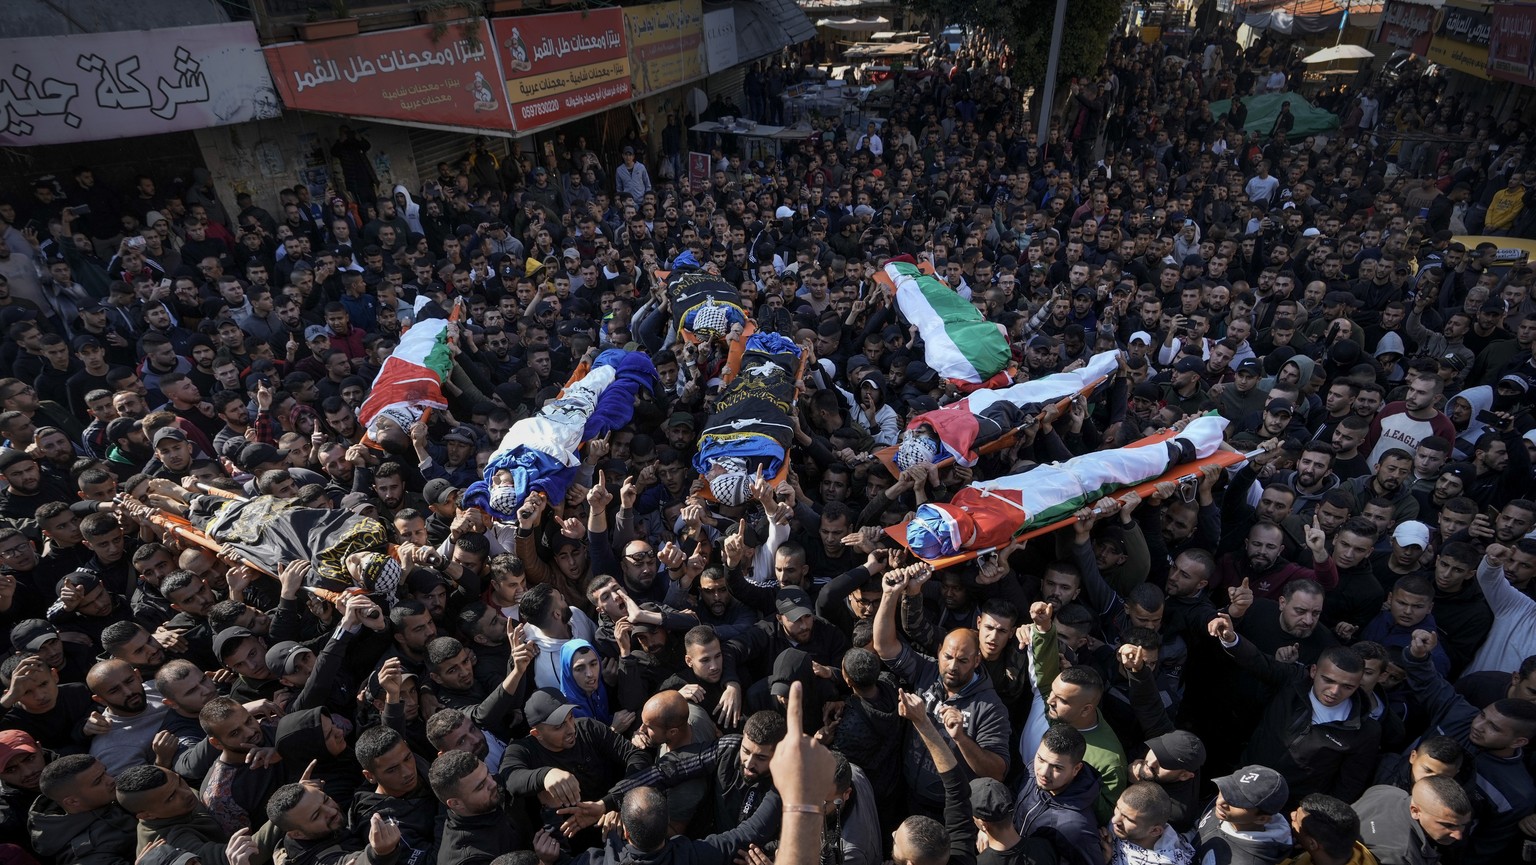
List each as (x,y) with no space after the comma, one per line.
(539,109)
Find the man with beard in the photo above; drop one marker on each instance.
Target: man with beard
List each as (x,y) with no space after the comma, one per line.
(236,789)
(1405,423)
(958,692)
(1262,565)
(134,724)
(1390,481)
(717,608)
(480,826)
(315,829)
(26,489)
(1313,477)
(389,489)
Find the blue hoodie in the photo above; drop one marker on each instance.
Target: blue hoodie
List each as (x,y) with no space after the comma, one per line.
(594,705)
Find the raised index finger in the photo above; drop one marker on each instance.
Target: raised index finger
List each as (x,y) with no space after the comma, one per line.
(795,729)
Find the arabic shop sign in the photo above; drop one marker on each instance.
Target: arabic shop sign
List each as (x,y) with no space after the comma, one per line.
(1471,26)
(94,86)
(1407,25)
(563,66)
(666,44)
(1512,46)
(1461,42)
(395,75)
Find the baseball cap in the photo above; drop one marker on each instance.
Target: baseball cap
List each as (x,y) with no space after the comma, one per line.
(29,635)
(793,603)
(1040,340)
(1280,406)
(315,330)
(229,638)
(84,341)
(784,213)
(1189,364)
(438,490)
(1148,391)
(259,454)
(547,706)
(1181,751)
(82,579)
(1311,232)
(1454,361)
(1411,533)
(282,658)
(991,801)
(14,743)
(462,434)
(1142,336)
(358,503)
(1250,366)
(1256,787)
(12,456)
(571,252)
(920,373)
(170,433)
(682,418)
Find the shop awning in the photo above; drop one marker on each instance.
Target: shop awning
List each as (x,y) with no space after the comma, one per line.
(883,49)
(766,26)
(853,24)
(1303,17)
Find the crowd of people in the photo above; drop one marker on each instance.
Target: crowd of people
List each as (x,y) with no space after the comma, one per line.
(1325,654)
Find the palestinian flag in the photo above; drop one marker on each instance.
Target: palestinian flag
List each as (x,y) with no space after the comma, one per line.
(964,425)
(412,376)
(960,344)
(989,514)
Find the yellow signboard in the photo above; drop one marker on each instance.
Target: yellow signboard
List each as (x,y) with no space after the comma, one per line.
(1453,54)
(666,44)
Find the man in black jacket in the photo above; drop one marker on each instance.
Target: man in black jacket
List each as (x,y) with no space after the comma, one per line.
(568,763)
(1316,730)
(479,827)
(400,793)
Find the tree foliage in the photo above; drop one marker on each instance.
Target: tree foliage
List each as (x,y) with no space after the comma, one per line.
(1026,26)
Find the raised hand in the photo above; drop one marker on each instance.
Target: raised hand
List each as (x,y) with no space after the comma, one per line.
(801,768)
(1317,539)
(599,497)
(1239,599)
(1042,615)
(1221,628)
(1288,654)
(1423,644)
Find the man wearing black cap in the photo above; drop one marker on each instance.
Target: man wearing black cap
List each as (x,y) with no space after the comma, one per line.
(567,760)
(992,810)
(1247,824)
(1183,389)
(794,626)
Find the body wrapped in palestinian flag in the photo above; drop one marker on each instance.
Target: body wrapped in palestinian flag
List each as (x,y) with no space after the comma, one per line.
(411,379)
(989,514)
(705,307)
(269,532)
(542,453)
(958,342)
(750,428)
(957,430)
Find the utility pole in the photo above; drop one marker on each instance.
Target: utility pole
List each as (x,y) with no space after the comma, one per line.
(1052,63)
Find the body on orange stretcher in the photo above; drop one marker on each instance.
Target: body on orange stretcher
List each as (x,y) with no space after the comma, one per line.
(989,516)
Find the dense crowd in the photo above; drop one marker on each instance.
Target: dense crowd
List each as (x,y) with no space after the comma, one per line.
(1325,654)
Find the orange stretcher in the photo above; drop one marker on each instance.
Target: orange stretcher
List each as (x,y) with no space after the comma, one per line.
(1183,474)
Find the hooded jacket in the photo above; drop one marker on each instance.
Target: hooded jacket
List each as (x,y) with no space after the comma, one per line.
(1065,819)
(420,815)
(478,839)
(104,836)
(1390,832)
(300,739)
(408,209)
(593,705)
(986,720)
(1221,843)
